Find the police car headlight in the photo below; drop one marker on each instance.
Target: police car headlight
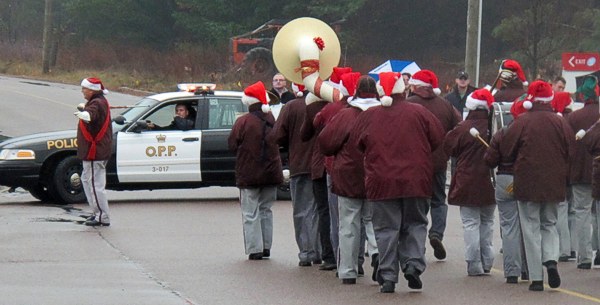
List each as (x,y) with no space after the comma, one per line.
(17,154)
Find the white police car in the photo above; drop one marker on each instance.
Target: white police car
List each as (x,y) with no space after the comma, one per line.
(46,164)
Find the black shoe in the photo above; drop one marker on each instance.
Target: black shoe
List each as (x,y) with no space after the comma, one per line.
(487,271)
(304,264)
(361,271)
(573,255)
(584,266)
(95,223)
(328,266)
(388,287)
(348,281)
(512,280)
(597,259)
(255,256)
(266,253)
(536,286)
(317,261)
(525,276)
(553,276)
(412,276)
(375,265)
(563,258)
(438,248)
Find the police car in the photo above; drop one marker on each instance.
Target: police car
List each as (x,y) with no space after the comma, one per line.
(46,164)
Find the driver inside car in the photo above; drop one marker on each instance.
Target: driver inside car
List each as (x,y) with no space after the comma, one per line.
(185,116)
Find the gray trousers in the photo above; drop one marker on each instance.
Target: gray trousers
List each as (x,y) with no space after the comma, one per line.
(478,227)
(596,227)
(538,222)
(334,218)
(305,217)
(439,208)
(257,217)
(401,231)
(510,226)
(93,179)
(582,204)
(562,226)
(353,213)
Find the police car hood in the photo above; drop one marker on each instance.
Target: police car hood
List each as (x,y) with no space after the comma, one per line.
(25,141)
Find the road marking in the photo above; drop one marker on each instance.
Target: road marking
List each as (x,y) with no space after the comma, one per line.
(565,291)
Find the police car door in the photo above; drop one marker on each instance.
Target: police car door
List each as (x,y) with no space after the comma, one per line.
(159,155)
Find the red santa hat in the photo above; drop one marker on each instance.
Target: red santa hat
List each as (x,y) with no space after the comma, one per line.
(256,93)
(425,78)
(517,108)
(93,83)
(389,83)
(480,98)
(561,101)
(336,76)
(540,92)
(298,89)
(515,67)
(349,81)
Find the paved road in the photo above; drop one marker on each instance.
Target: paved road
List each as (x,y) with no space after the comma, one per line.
(186,247)
(171,248)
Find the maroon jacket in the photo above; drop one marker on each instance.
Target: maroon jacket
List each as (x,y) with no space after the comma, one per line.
(540,143)
(348,172)
(510,91)
(321,120)
(471,183)
(258,162)
(287,134)
(99,111)
(309,134)
(444,112)
(398,164)
(584,118)
(592,143)
(492,155)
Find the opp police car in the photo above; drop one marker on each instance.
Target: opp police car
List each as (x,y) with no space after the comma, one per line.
(46,164)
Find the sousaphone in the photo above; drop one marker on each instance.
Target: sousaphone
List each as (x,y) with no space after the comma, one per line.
(305,51)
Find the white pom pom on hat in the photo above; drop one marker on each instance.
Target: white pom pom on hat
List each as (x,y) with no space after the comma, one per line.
(298,89)
(389,83)
(256,93)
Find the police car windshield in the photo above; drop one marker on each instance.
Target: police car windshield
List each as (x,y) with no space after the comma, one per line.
(131,114)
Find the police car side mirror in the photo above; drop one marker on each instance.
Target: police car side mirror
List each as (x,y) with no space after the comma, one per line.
(119,120)
(139,126)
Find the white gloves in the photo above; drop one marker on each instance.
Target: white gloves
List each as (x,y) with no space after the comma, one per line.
(83,115)
(507,75)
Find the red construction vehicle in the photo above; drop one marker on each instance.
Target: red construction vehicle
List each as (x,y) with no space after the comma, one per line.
(251,51)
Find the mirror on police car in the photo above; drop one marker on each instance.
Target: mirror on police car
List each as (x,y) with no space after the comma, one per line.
(119,120)
(139,126)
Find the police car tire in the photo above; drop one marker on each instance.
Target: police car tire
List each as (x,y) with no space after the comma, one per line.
(60,186)
(39,193)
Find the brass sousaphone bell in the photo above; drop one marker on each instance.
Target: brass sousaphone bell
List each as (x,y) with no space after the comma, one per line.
(305,51)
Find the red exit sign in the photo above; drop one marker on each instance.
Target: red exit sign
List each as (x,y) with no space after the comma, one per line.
(581,61)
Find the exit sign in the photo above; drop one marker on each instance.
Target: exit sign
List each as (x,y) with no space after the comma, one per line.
(581,61)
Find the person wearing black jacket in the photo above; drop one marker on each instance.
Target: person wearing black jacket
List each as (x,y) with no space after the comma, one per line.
(458,96)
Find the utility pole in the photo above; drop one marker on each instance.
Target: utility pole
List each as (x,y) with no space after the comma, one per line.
(472,49)
(47,40)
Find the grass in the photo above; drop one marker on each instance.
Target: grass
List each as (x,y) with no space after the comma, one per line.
(125,69)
